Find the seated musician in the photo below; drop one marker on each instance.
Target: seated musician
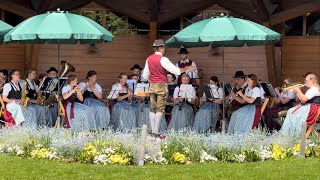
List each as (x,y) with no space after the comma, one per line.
(123,114)
(92,94)
(240,81)
(3,77)
(169,105)
(208,113)
(52,72)
(184,99)
(78,116)
(248,116)
(306,111)
(283,101)
(43,113)
(135,72)
(12,93)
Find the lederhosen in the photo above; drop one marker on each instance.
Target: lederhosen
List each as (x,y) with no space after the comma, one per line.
(183,65)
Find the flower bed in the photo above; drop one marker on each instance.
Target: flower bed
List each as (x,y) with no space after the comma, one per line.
(184,147)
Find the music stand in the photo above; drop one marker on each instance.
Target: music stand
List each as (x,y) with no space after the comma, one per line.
(131,84)
(194,72)
(141,87)
(211,92)
(268,89)
(184,89)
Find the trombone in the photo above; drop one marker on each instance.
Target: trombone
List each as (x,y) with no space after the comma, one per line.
(291,86)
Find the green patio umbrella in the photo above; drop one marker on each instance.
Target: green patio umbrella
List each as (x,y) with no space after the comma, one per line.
(4,29)
(58,27)
(223,32)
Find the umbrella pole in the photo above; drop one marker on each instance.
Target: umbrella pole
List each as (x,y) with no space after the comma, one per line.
(223,99)
(58,99)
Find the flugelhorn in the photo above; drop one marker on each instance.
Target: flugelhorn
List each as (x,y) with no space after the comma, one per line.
(291,86)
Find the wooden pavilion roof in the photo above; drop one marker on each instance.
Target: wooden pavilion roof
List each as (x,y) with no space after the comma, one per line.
(161,11)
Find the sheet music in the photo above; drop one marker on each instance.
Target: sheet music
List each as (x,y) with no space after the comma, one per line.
(131,83)
(141,87)
(187,91)
(114,93)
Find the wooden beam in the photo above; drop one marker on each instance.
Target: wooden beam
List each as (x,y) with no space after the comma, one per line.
(154,10)
(103,16)
(190,7)
(126,28)
(297,11)
(261,9)
(43,6)
(270,57)
(127,10)
(17,9)
(304,26)
(247,13)
(69,5)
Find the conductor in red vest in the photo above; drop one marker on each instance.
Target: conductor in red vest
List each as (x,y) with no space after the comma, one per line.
(155,70)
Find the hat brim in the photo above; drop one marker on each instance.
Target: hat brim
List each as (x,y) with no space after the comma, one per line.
(239,76)
(159,45)
(52,70)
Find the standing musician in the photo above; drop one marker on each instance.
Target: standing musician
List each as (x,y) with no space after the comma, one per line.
(307,110)
(42,112)
(208,113)
(12,93)
(248,116)
(123,116)
(92,94)
(155,71)
(184,99)
(185,61)
(283,101)
(78,116)
(239,80)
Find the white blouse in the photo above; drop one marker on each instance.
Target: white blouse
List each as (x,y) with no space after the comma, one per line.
(115,90)
(7,88)
(185,90)
(253,93)
(96,85)
(312,92)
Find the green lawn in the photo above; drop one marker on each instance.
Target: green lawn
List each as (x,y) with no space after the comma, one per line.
(23,168)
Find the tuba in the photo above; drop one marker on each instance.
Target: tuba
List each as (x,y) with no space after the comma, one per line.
(66,68)
(24,98)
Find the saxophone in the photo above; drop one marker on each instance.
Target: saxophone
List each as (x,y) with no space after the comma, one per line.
(24,98)
(41,98)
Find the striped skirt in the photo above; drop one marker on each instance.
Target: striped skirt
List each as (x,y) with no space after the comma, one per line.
(206,117)
(181,119)
(100,111)
(83,117)
(123,116)
(21,114)
(43,114)
(295,116)
(143,117)
(242,119)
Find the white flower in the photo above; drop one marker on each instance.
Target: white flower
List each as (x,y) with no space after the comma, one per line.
(20,152)
(240,157)
(205,157)
(51,155)
(265,154)
(101,159)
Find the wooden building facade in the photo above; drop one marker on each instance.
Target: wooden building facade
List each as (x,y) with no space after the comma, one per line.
(292,57)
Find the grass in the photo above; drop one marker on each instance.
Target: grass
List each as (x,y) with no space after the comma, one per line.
(23,168)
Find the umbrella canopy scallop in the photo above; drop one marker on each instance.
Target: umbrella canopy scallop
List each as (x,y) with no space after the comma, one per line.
(223,31)
(4,29)
(58,27)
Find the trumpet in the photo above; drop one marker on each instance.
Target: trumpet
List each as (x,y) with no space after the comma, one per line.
(291,86)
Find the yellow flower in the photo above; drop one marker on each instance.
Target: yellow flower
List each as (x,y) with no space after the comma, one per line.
(278,152)
(179,158)
(39,153)
(296,148)
(119,159)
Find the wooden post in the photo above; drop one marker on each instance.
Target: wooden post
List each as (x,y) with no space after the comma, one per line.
(270,57)
(181,22)
(126,25)
(304,26)
(152,34)
(142,145)
(3,15)
(303,140)
(103,16)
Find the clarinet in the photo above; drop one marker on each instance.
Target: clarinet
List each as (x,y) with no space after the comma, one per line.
(180,103)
